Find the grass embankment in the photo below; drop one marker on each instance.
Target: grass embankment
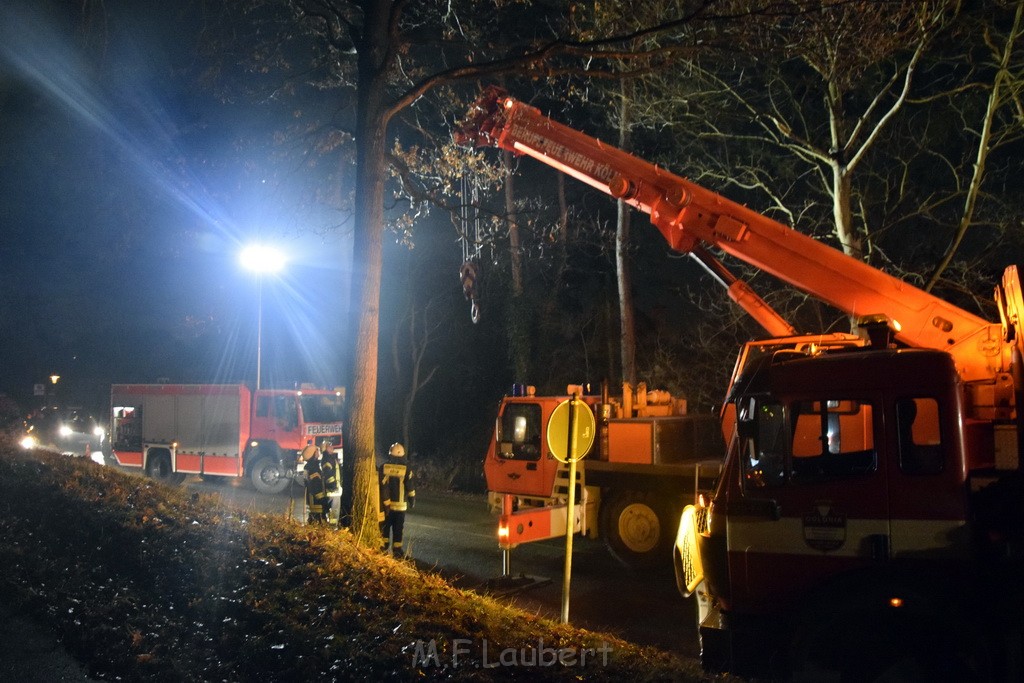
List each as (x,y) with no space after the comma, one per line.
(147,582)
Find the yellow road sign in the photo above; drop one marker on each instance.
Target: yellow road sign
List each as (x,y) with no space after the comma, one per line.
(584,428)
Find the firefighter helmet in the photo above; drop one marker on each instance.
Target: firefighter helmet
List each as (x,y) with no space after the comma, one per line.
(307,452)
(397,450)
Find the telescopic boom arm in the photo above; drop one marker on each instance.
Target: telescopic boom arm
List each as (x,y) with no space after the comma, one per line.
(688,216)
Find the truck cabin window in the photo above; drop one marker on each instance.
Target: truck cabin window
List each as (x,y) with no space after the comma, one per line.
(321,407)
(807,441)
(285,412)
(762,429)
(519,432)
(262,406)
(918,436)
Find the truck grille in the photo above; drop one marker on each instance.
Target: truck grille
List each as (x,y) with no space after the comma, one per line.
(689,569)
(702,521)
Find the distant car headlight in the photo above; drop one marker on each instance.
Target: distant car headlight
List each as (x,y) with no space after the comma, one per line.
(65,431)
(29,442)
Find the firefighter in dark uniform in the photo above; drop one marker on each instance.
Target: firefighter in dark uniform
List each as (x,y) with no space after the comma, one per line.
(316,491)
(330,465)
(396,495)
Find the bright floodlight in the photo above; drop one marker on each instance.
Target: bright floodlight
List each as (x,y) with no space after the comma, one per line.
(260,258)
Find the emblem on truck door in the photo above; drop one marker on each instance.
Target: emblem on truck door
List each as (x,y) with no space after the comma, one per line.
(825,529)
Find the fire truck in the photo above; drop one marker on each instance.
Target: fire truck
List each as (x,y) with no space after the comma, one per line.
(630,489)
(868,522)
(220,430)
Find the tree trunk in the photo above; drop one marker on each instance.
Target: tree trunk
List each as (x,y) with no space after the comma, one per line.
(513,227)
(842,212)
(519,314)
(842,182)
(627,333)
(371,128)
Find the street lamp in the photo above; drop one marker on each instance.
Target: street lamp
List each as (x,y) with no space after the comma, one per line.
(262,260)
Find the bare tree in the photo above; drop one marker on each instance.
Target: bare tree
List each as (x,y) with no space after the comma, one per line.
(1002,123)
(421,328)
(784,109)
(842,76)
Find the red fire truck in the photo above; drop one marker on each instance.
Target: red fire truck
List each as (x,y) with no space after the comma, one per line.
(632,486)
(869,520)
(220,430)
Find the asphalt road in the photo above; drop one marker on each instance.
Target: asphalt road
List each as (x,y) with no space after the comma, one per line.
(455,535)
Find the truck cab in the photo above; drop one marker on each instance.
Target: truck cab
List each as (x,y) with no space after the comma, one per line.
(283,423)
(845,508)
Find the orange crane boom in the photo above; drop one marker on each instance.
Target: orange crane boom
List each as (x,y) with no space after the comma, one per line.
(688,215)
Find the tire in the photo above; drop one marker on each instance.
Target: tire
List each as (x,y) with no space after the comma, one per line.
(638,529)
(158,468)
(268,476)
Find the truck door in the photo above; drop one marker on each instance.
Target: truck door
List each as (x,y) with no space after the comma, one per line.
(277,419)
(518,461)
(812,495)
(928,505)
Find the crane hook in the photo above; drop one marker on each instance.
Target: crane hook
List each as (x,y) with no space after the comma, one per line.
(469,273)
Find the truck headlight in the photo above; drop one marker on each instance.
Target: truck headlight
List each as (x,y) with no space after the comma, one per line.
(65,431)
(29,442)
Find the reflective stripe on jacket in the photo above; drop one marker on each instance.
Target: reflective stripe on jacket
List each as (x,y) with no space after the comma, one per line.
(396,484)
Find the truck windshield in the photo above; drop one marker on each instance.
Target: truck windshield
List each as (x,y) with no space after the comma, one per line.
(322,407)
(519,432)
(807,441)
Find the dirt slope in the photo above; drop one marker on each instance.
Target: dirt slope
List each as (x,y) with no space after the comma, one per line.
(141,581)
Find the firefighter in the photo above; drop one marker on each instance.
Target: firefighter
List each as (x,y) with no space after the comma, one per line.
(396,495)
(316,491)
(330,465)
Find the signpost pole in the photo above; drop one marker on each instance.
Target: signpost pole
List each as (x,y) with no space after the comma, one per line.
(571,430)
(570,515)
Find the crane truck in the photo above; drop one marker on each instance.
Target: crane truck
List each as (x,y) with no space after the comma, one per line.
(220,430)
(648,451)
(868,521)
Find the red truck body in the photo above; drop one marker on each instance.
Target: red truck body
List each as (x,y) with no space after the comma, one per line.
(223,430)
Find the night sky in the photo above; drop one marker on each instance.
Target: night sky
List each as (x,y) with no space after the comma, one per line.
(128,193)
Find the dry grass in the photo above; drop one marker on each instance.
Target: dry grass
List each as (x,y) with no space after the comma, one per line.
(147,582)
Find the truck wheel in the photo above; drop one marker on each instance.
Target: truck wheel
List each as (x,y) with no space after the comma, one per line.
(268,476)
(158,468)
(638,529)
